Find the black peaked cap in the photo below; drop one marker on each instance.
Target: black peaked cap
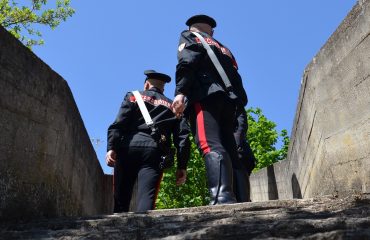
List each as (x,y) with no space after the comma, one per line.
(151,74)
(201,19)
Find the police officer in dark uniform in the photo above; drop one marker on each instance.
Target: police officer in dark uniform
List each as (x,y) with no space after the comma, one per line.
(246,156)
(211,107)
(136,150)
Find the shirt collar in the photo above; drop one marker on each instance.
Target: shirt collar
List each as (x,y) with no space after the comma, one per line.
(155,89)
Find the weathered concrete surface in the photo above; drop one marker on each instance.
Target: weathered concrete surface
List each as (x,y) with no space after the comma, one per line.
(319,218)
(330,142)
(48,166)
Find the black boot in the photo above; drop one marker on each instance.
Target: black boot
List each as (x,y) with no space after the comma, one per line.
(241,185)
(220,178)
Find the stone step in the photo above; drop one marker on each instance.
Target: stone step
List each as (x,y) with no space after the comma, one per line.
(317,218)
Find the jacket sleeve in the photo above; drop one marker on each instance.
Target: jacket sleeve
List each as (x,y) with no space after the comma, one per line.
(120,125)
(241,127)
(182,142)
(189,54)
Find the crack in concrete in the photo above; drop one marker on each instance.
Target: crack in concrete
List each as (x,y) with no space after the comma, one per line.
(363,80)
(298,114)
(362,40)
(313,122)
(359,123)
(349,161)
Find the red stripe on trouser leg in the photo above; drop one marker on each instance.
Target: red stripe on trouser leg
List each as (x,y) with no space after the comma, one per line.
(157,189)
(201,129)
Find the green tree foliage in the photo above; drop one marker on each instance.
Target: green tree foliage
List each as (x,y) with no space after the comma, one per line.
(193,193)
(262,137)
(21,18)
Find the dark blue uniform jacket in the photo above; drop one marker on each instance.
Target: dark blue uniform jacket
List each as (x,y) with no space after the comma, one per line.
(129,128)
(197,77)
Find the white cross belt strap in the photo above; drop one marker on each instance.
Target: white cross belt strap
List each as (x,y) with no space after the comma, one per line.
(214,60)
(143,109)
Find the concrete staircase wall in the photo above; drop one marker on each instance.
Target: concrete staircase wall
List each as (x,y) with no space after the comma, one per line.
(329,151)
(48,166)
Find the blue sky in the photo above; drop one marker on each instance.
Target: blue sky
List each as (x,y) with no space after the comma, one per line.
(104,48)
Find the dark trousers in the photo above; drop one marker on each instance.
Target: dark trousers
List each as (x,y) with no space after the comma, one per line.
(241,176)
(212,122)
(141,164)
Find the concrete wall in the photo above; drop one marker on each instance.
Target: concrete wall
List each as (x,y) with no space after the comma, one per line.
(329,151)
(48,166)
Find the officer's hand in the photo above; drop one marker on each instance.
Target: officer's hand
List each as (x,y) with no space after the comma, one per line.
(110,158)
(180,176)
(178,105)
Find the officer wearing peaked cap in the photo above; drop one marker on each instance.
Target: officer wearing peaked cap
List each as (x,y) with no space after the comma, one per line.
(201,19)
(211,105)
(151,74)
(136,150)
